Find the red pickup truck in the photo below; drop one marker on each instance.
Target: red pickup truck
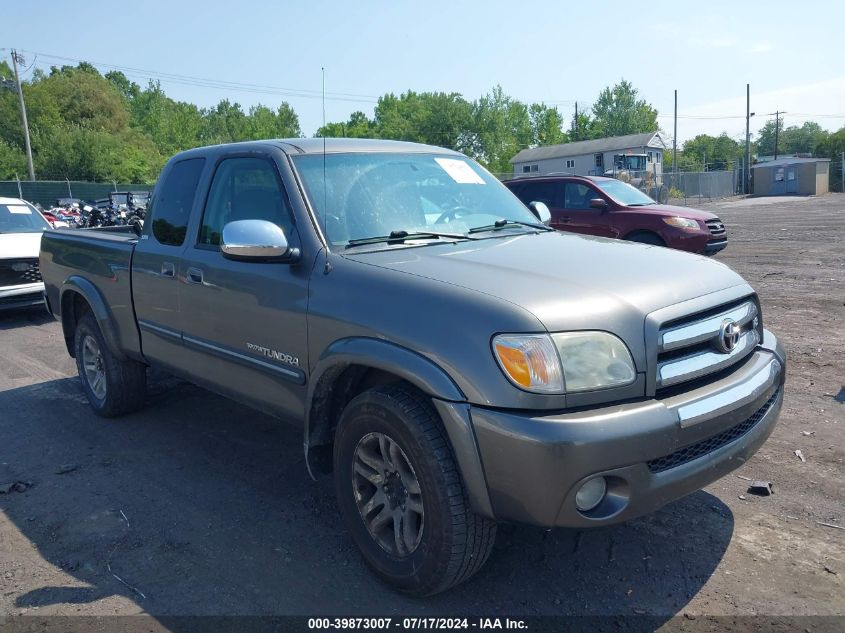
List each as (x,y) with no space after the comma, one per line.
(611,208)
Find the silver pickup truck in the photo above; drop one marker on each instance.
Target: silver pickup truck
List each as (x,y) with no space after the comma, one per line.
(453,361)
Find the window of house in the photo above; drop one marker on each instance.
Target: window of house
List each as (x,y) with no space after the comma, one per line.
(599,160)
(244,189)
(172,203)
(657,157)
(650,157)
(526,169)
(570,163)
(535,168)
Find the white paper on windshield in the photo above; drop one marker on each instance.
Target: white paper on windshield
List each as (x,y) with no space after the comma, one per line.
(459,171)
(19,208)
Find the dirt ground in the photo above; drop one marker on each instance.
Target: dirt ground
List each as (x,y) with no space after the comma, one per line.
(198,506)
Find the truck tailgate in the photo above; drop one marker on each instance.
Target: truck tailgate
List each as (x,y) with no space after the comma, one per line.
(95,263)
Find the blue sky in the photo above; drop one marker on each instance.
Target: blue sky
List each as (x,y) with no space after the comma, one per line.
(556,52)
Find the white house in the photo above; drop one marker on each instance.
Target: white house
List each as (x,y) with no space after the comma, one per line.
(634,152)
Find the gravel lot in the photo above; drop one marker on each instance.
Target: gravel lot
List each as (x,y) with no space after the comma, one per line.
(198,506)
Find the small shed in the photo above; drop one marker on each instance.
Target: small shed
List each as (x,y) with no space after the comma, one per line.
(799,176)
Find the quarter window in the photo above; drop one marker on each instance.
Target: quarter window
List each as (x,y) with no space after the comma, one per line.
(171,206)
(244,189)
(546,192)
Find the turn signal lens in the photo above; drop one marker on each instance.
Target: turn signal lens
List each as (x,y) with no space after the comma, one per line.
(530,361)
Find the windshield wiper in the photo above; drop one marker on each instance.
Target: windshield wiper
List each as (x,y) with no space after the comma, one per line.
(501,224)
(399,237)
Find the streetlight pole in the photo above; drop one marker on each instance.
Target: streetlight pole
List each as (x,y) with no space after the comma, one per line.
(23,117)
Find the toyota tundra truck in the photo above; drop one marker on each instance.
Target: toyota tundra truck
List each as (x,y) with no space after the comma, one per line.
(452,361)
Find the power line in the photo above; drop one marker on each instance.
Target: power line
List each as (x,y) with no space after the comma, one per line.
(206,82)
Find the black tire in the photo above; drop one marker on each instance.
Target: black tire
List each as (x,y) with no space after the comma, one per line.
(122,384)
(646,237)
(453,542)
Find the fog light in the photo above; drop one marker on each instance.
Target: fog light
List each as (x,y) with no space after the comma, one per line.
(590,494)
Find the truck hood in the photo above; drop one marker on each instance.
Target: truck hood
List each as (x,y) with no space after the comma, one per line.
(20,245)
(567,281)
(670,210)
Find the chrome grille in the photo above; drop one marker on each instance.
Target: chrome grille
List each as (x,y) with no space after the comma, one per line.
(17,272)
(716,227)
(688,349)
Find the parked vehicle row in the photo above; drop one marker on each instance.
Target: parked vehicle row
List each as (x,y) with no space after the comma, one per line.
(453,361)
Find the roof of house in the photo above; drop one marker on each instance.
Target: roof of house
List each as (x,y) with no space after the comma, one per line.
(790,160)
(588,147)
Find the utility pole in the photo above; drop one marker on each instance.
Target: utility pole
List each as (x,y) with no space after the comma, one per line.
(777,114)
(843,172)
(746,176)
(575,124)
(675,139)
(15,58)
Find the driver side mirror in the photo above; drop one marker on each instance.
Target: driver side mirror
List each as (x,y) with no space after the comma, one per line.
(542,212)
(598,203)
(256,241)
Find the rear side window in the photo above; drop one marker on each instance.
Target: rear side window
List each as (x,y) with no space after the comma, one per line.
(547,192)
(171,208)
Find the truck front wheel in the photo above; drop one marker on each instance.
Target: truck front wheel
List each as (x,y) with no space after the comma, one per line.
(401,496)
(113,386)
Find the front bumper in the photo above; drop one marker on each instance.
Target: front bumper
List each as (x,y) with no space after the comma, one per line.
(22,296)
(715,246)
(650,452)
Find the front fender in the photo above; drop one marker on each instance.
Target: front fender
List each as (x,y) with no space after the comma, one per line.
(76,284)
(425,375)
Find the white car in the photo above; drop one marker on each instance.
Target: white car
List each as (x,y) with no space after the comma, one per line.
(21,226)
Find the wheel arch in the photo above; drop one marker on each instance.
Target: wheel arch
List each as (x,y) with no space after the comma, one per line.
(630,235)
(78,295)
(350,366)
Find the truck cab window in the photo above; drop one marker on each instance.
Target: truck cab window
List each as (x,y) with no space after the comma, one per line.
(171,208)
(244,189)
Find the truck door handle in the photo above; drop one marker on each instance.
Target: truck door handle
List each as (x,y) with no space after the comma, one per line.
(168,269)
(194,276)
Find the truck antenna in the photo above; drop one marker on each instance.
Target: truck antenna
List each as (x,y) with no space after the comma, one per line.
(327,267)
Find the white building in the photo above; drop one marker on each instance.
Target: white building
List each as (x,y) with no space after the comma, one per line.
(634,152)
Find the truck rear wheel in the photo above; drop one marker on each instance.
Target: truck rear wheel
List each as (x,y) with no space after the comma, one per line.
(113,386)
(401,496)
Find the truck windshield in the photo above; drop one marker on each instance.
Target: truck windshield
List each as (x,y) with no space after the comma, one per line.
(624,194)
(21,218)
(366,195)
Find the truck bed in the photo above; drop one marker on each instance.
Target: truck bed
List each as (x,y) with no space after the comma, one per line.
(95,263)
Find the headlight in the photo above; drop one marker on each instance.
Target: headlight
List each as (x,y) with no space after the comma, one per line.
(594,360)
(682,223)
(529,361)
(568,361)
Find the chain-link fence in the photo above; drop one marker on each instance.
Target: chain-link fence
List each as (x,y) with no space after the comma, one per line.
(702,185)
(837,176)
(46,192)
(684,185)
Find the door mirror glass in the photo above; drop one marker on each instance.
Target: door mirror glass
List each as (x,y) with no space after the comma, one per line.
(256,240)
(541,211)
(598,203)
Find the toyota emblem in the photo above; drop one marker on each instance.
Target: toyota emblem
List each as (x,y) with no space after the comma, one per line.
(728,338)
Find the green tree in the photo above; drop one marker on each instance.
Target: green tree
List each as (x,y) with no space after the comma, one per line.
(618,111)
(12,161)
(546,125)
(720,152)
(501,126)
(791,140)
